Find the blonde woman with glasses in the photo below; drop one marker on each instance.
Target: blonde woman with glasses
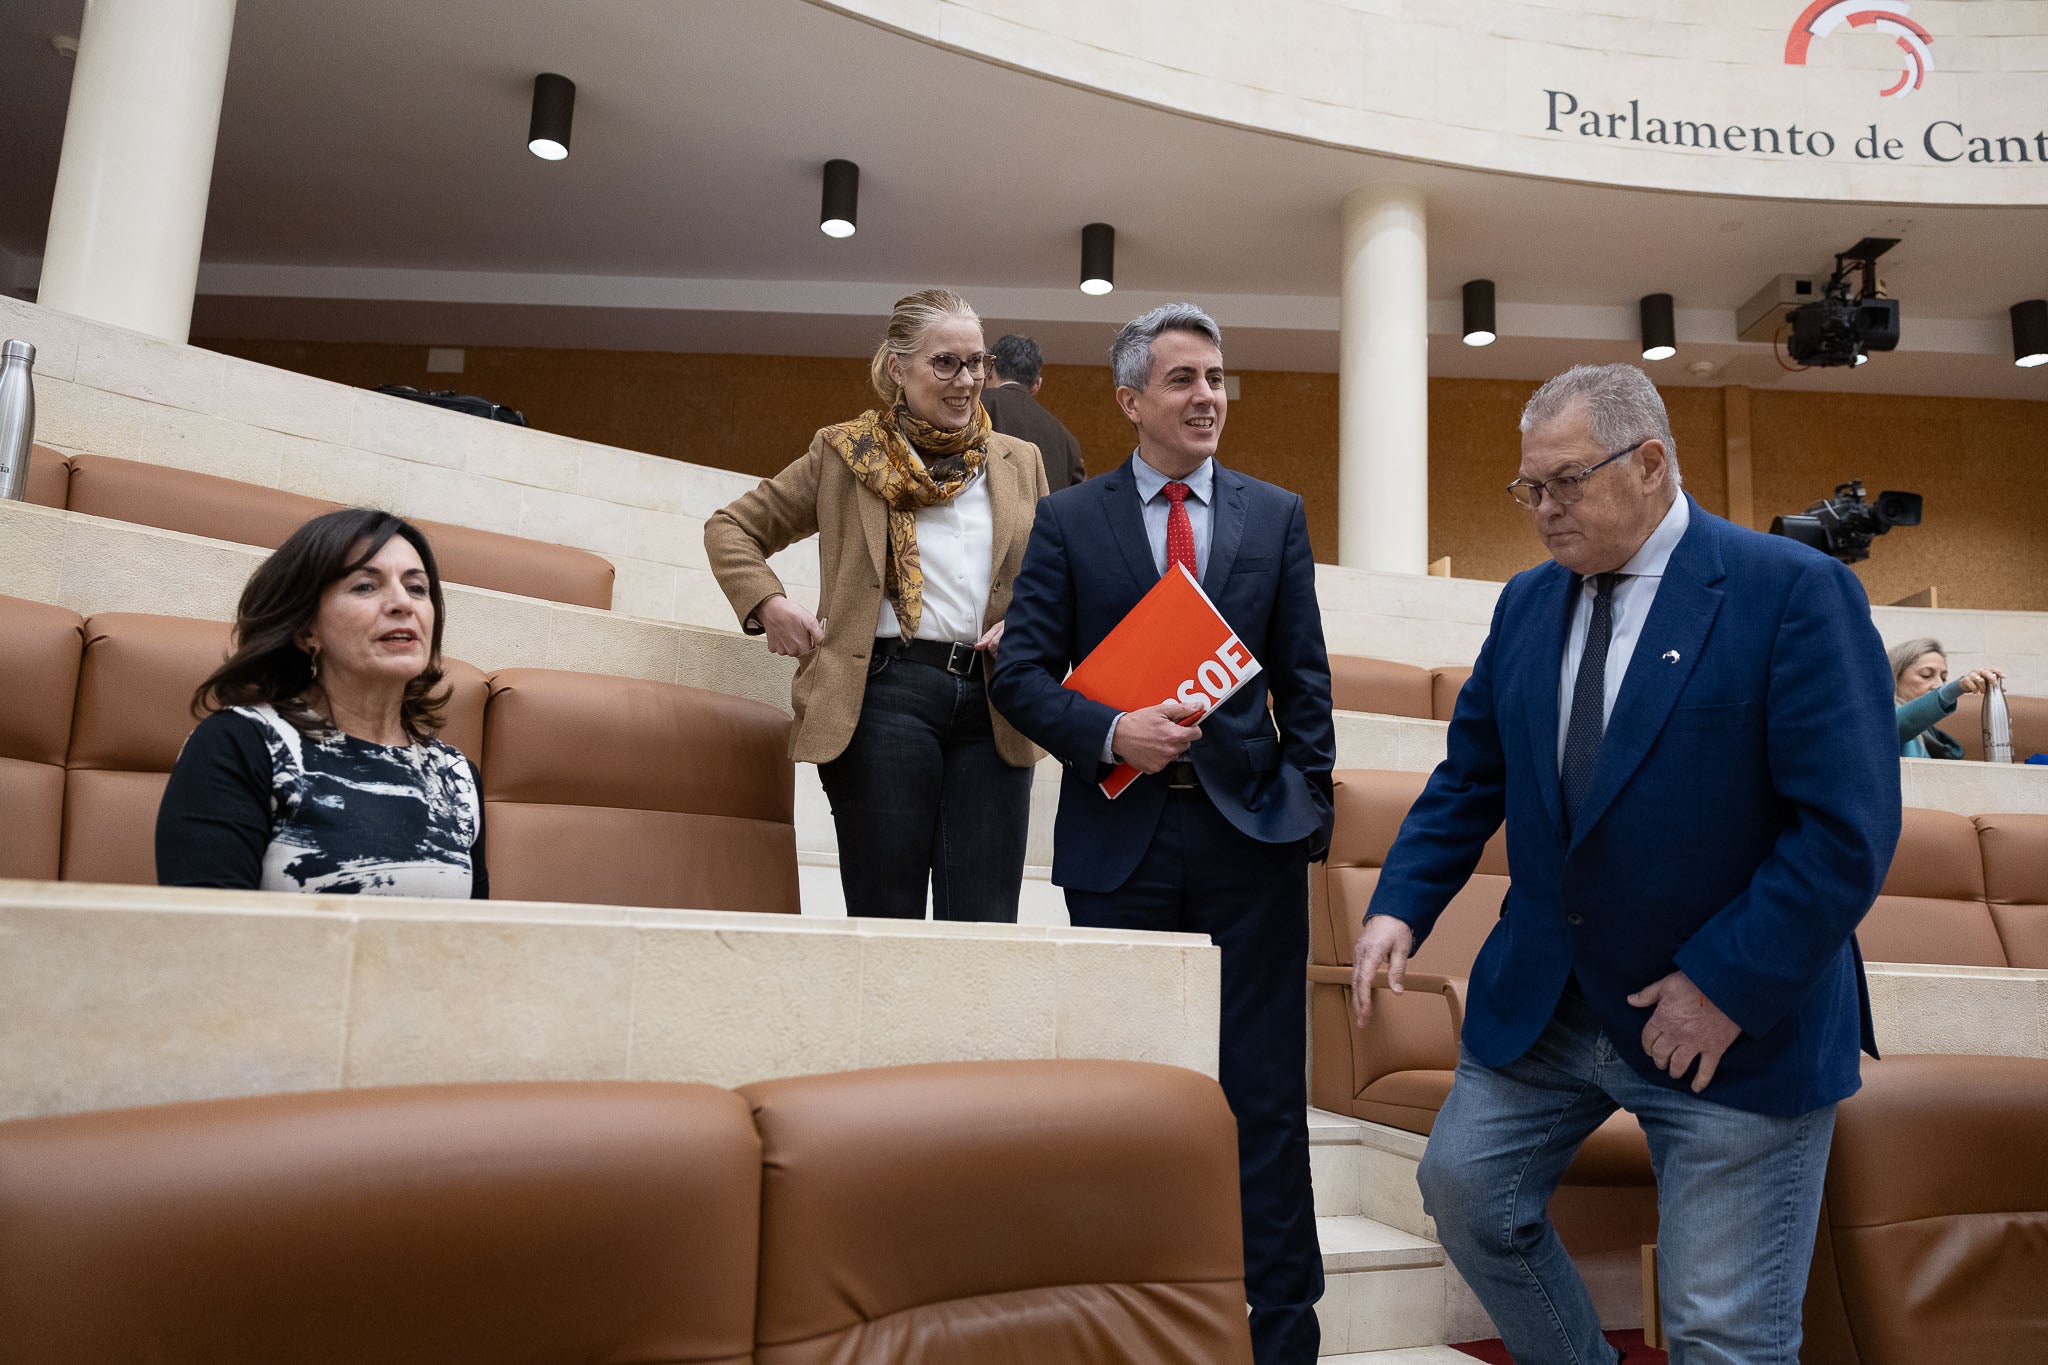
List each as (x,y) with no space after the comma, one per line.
(922,514)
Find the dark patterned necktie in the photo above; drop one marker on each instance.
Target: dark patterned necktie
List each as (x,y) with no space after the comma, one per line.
(1180,532)
(1589,694)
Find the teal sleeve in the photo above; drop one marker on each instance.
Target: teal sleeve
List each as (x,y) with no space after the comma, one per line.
(1925,710)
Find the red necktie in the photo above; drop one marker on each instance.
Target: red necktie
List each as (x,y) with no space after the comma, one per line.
(1180,532)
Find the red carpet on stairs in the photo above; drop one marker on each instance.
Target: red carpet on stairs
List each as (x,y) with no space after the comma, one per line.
(1632,1342)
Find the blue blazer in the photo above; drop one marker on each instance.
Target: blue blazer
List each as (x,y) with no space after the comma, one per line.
(1742,814)
(1086,566)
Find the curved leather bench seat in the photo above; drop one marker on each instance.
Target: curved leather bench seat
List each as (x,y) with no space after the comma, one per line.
(253,514)
(1083,1212)
(964,1213)
(487,1224)
(1933,1238)
(616,791)
(39,679)
(598,789)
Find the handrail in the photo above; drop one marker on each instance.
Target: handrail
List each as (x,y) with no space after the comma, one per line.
(1451,988)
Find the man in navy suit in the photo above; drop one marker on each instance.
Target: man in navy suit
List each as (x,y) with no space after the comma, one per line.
(1217,837)
(1688,729)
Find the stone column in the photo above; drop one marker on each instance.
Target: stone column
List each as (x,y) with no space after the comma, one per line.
(1383,382)
(130,206)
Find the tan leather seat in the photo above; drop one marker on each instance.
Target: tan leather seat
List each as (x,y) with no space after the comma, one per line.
(1444,686)
(619,791)
(196,504)
(1019,1212)
(1933,1240)
(251,514)
(486,1224)
(39,682)
(133,713)
(49,477)
(1381,686)
(1932,908)
(2015,849)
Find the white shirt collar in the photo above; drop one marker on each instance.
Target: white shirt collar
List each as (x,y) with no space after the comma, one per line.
(1649,561)
(1150,480)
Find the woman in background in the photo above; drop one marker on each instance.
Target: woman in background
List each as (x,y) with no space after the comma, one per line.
(921,514)
(1924,694)
(317,768)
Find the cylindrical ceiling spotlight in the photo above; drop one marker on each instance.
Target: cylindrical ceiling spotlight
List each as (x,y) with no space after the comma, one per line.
(554,106)
(841,206)
(2030,333)
(1098,258)
(1479,329)
(1660,332)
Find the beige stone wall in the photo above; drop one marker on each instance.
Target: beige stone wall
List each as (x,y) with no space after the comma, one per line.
(1466,82)
(1995,1011)
(118,996)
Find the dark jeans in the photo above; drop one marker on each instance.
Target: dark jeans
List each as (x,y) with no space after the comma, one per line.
(1200,875)
(921,797)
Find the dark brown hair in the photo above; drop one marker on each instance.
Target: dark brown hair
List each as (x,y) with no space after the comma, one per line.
(281,600)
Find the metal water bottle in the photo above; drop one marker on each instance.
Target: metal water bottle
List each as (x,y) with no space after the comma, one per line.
(17,417)
(1997,724)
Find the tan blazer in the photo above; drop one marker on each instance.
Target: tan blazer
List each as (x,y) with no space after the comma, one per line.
(818,493)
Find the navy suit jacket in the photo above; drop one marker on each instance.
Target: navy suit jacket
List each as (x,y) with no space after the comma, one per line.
(1743,811)
(1086,566)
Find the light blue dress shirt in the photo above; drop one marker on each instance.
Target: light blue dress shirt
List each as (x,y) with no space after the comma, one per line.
(1157,507)
(1631,608)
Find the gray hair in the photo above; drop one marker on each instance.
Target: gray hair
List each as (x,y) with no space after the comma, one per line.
(1130,355)
(1622,406)
(1902,656)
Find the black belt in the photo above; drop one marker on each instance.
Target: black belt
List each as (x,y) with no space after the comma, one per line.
(1180,776)
(962,661)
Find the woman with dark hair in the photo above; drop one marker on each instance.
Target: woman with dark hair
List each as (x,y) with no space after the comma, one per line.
(922,514)
(317,768)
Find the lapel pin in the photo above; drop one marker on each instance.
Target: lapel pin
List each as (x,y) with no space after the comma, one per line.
(1670,656)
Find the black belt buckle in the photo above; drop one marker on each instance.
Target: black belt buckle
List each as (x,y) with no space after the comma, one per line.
(1180,776)
(956,664)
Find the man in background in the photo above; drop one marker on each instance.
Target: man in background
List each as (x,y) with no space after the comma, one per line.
(1011,397)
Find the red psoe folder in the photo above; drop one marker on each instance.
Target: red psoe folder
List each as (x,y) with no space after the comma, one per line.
(1173,646)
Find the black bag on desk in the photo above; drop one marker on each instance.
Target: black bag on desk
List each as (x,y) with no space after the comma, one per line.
(457,402)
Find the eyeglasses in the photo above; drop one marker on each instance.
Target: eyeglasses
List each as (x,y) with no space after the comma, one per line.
(1564,489)
(945,364)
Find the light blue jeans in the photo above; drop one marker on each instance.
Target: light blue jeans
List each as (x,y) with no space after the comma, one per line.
(1738,1201)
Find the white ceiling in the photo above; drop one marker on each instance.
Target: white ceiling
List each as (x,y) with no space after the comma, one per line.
(372,182)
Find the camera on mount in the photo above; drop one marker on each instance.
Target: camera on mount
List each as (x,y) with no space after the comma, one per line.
(1844,525)
(1837,329)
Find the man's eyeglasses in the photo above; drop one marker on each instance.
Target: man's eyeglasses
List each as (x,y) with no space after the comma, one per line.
(945,364)
(1564,489)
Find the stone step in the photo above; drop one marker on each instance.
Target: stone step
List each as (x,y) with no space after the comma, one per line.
(1366,1168)
(1353,1242)
(1382,1288)
(1402,1355)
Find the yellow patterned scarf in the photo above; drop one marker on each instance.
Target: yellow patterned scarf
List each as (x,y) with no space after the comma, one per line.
(908,463)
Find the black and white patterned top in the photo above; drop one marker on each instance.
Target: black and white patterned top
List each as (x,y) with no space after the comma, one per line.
(255,804)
